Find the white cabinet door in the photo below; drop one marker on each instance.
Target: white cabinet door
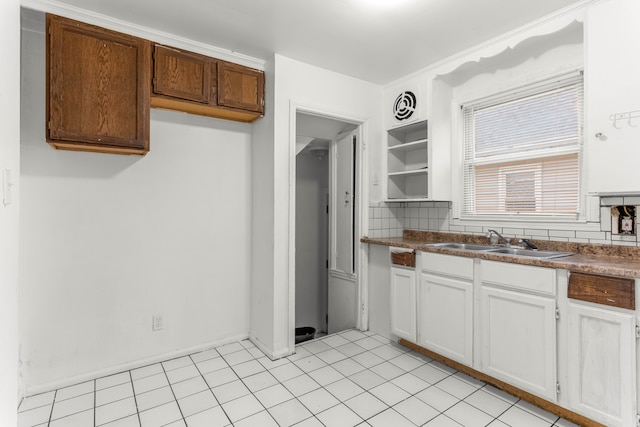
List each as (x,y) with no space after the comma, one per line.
(403,303)
(602,362)
(446,317)
(612,86)
(519,340)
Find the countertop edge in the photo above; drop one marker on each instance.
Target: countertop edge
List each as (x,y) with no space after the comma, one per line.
(582,263)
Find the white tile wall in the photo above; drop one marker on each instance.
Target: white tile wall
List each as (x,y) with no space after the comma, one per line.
(389,219)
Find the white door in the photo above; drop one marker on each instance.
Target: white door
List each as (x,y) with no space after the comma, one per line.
(403,303)
(519,340)
(602,355)
(446,317)
(342,300)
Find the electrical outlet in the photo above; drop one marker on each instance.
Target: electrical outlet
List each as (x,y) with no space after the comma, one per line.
(157,324)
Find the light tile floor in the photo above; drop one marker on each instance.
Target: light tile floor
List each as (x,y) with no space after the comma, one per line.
(346,379)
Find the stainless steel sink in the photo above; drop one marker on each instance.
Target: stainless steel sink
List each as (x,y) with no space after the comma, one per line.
(462,246)
(529,253)
(500,250)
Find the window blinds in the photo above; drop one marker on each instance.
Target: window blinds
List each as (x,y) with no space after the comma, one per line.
(522,151)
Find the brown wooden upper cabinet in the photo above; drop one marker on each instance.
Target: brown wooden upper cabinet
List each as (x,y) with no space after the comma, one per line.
(97,88)
(198,84)
(182,75)
(240,87)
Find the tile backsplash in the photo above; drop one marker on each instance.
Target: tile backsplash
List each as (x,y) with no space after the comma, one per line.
(389,219)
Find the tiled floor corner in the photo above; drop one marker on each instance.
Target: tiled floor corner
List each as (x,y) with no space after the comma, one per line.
(340,380)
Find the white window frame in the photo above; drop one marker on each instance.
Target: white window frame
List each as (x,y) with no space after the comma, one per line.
(588,218)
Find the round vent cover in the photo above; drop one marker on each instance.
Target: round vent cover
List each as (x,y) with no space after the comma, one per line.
(404,106)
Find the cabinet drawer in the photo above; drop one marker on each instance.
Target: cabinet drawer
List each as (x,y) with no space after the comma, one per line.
(612,291)
(449,265)
(517,276)
(404,257)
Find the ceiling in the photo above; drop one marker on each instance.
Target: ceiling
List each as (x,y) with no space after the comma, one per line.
(374,40)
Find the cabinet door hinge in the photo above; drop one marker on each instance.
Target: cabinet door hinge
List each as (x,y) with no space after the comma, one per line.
(638,420)
(557,313)
(557,388)
(637,332)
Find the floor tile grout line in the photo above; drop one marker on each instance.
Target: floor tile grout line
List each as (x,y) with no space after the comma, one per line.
(135,401)
(279,382)
(480,409)
(347,377)
(210,391)
(52,405)
(173,394)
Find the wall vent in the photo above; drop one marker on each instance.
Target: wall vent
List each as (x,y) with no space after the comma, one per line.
(404,106)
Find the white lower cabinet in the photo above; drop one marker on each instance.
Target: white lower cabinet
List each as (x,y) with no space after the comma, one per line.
(602,364)
(446,307)
(509,312)
(518,327)
(403,303)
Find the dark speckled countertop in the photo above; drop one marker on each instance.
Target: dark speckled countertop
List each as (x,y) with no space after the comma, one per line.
(607,260)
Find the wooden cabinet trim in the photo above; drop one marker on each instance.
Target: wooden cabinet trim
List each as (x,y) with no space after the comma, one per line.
(612,291)
(78,119)
(218,112)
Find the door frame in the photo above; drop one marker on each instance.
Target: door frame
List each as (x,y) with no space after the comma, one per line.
(362,225)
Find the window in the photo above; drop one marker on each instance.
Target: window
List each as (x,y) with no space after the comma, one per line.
(522,152)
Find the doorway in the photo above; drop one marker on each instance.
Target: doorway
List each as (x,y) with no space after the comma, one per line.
(326,220)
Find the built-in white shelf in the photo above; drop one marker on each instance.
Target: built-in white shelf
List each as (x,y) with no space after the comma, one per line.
(407,163)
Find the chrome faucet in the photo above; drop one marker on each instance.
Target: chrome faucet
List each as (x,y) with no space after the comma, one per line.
(527,244)
(499,236)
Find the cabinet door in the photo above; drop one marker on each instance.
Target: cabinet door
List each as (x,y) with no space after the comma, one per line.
(446,317)
(181,74)
(240,87)
(602,361)
(403,303)
(612,86)
(97,88)
(519,340)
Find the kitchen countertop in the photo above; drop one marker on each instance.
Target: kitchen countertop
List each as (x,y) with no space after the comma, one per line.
(607,260)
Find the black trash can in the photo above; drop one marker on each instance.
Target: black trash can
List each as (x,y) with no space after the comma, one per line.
(305,333)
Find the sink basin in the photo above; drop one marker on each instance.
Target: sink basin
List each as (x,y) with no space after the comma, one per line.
(529,253)
(502,250)
(463,246)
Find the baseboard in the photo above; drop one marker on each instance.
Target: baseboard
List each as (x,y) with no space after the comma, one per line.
(54,385)
(271,354)
(518,392)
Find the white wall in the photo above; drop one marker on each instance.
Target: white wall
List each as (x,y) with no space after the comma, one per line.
(263,237)
(9,218)
(108,241)
(322,90)
(312,182)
